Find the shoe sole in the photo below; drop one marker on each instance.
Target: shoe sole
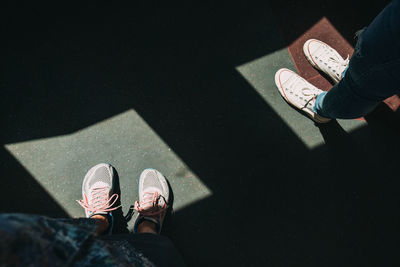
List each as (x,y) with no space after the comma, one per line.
(315,117)
(307,54)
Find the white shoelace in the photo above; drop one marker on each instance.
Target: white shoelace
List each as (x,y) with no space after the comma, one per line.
(308,95)
(312,96)
(340,63)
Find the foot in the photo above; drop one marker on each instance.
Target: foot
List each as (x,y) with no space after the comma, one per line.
(299,93)
(325,58)
(153,199)
(98,196)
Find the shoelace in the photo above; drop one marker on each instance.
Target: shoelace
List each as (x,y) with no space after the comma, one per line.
(101,201)
(340,62)
(148,206)
(309,93)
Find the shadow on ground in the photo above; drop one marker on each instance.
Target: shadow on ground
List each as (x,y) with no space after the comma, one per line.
(274,201)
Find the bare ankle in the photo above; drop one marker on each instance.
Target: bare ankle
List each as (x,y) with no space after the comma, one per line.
(102,223)
(147,227)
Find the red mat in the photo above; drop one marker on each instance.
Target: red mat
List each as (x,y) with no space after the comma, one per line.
(323,30)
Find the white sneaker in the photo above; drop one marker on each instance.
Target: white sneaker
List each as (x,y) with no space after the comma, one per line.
(299,93)
(325,58)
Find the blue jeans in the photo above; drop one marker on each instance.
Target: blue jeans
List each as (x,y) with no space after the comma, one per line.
(373,73)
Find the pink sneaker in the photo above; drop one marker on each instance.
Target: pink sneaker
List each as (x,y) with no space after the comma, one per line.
(98,192)
(153,198)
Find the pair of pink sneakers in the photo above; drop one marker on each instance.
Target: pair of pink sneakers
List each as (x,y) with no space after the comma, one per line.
(98,197)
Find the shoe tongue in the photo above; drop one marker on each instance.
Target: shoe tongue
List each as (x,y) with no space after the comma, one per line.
(99,184)
(96,185)
(151,190)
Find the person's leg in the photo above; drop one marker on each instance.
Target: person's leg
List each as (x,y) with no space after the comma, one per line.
(101,223)
(32,240)
(373,73)
(152,207)
(147,227)
(27,239)
(342,102)
(156,248)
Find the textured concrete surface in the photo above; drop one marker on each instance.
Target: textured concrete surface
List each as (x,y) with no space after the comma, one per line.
(125,141)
